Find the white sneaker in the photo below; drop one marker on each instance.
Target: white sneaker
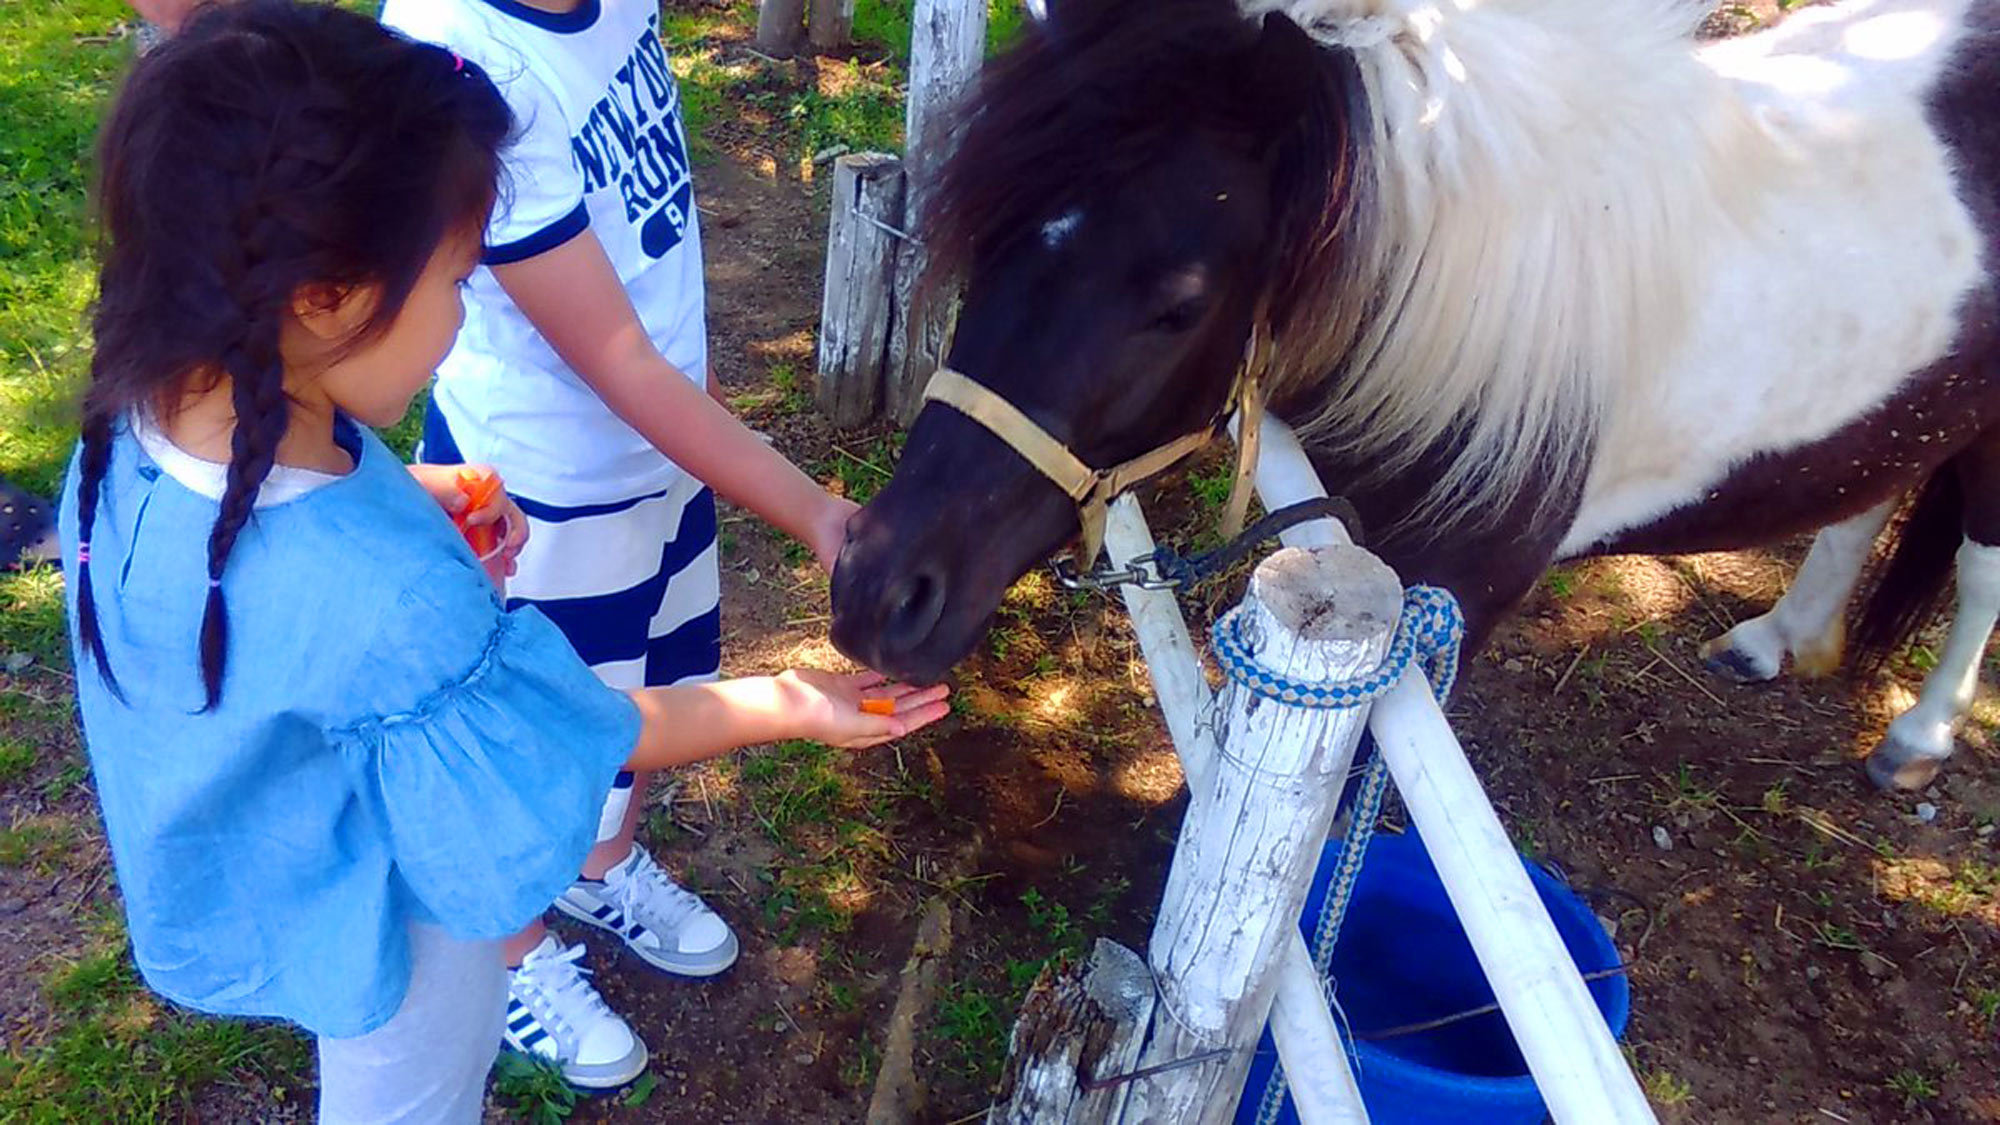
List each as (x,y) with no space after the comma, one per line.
(663,922)
(555,1013)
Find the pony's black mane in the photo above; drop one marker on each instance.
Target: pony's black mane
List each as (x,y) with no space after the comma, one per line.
(1105,88)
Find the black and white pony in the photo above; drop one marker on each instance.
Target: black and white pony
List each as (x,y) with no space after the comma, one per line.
(1545,278)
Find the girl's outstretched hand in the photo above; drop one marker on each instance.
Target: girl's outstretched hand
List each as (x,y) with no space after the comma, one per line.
(829,707)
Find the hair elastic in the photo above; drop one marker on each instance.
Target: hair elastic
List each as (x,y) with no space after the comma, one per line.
(214,583)
(457,63)
(83,552)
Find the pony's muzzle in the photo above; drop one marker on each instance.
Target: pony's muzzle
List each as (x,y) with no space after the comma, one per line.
(886,604)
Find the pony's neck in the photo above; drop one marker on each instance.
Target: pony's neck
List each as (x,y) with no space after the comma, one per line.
(1546,171)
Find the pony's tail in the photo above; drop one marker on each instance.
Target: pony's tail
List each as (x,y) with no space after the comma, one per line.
(1907,590)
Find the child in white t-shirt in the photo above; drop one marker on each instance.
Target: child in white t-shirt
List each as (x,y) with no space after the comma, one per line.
(582,368)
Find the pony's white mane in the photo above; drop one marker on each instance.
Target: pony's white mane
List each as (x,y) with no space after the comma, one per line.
(1547,175)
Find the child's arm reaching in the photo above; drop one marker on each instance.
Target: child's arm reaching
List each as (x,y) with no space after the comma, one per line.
(573,297)
(693,722)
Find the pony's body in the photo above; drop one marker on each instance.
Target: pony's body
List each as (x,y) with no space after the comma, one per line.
(1584,289)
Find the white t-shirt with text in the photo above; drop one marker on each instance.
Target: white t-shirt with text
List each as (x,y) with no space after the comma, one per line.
(600,147)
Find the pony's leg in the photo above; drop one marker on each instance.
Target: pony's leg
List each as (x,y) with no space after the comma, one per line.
(1809,623)
(1920,739)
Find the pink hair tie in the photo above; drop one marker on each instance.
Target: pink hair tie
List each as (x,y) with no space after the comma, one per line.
(457,63)
(83,552)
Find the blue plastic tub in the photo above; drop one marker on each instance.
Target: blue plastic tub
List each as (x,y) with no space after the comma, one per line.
(1403,958)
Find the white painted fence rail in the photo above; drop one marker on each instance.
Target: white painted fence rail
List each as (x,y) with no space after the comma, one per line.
(1576,1062)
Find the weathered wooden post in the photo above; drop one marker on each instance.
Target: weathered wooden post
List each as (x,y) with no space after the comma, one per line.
(830,25)
(947,42)
(1075,1029)
(780,27)
(857,310)
(1252,837)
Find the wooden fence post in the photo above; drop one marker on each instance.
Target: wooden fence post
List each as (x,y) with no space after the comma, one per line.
(1081,1025)
(947,44)
(857,312)
(780,26)
(1251,839)
(830,26)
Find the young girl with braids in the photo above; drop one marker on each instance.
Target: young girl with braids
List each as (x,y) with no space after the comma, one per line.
(334,770)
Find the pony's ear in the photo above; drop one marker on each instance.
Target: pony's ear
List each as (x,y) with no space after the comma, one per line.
(1280,70)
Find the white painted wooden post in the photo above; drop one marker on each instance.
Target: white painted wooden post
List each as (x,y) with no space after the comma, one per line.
(1582,1075)
(1252,837)
(947,43)
(1577,1065)
(856,310)
(1301,1024)
(830,26)
(780,26)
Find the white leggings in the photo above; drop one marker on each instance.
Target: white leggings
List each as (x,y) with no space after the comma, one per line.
(428,1064)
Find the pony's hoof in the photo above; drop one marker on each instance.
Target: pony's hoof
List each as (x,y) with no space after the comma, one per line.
(1734,664)
(1896,766)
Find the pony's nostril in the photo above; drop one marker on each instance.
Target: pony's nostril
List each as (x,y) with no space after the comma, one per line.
(914,607)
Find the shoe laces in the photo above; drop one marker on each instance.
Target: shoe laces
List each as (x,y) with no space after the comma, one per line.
(649,892)
(562,986)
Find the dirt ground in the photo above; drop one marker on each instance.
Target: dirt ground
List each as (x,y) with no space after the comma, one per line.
(1805,949)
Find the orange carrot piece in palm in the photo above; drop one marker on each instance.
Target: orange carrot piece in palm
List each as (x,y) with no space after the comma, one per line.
(879,706)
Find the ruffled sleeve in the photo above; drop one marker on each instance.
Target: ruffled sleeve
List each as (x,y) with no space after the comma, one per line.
(485,754)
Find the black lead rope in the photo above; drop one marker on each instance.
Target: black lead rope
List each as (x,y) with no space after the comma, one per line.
(1167,569)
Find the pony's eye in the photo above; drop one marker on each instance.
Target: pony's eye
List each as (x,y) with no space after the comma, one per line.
(1179,316)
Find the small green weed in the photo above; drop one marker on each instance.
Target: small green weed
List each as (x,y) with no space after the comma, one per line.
(533,1089)
(1666,1088)
(1986,1005)
(16,759)
(973,1024)
(1913,1085)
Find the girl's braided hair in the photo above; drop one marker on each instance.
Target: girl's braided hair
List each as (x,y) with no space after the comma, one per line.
(271,146)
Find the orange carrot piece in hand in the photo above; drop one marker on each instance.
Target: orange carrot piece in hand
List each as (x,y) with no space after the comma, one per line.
(479,489)
(879,706)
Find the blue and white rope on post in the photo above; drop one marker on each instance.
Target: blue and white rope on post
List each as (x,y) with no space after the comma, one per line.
(1428,634)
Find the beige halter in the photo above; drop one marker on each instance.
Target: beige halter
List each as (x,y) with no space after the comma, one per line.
(1093,489)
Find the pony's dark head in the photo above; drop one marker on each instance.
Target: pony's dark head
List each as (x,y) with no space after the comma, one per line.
(1132,185)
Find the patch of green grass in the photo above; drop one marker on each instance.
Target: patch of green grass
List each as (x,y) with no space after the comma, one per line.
(1986,1005)
(971,1027)
(65,780)
(793,785)
(31,616)
(866,117)
(1913,1085)
(532,1089)
(885,25)
(61,59)
(117,1054)
(810,809)
(37,842)
(1664,1087)
(861,476)
(16,759)
(1561,583)
(859,1067)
